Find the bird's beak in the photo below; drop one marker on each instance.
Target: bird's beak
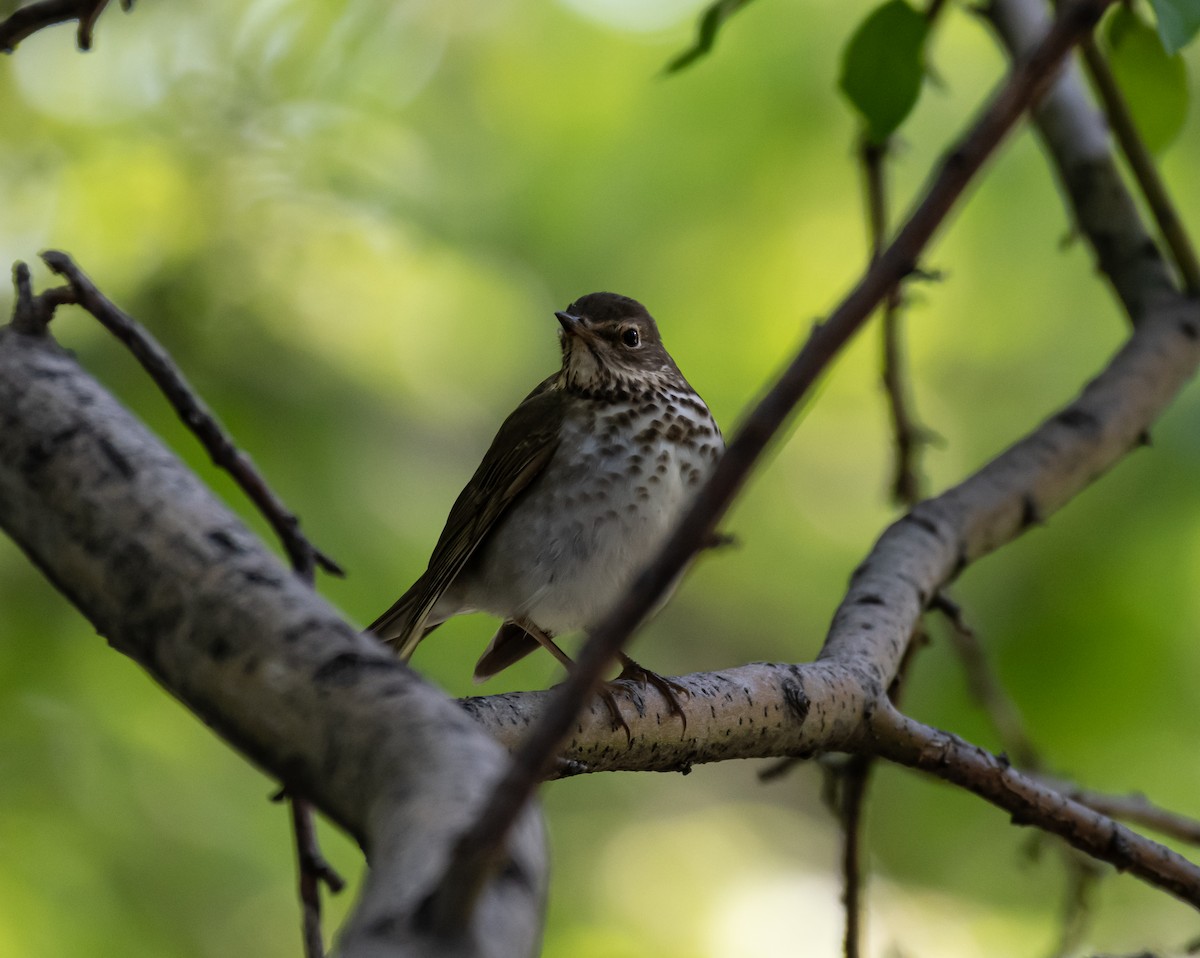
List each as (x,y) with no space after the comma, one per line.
(572,325)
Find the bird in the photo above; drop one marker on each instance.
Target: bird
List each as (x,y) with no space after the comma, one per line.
(578,491)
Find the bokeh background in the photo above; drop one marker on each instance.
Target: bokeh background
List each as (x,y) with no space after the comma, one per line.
(350,223)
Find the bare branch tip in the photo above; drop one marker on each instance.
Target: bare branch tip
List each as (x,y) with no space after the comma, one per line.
(59,262)
(21,278)
(328,565)
(25,317)
(32,314)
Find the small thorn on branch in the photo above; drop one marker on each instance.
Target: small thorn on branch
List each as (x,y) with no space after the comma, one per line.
(32,314)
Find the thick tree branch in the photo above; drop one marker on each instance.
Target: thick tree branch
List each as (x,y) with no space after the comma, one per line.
(176,582)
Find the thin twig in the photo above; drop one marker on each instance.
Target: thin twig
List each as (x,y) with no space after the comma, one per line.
(1138,809)
(31,314)
(907,436)
(856,778)
(312,869)
(710,23)
(29,19)
(986,689)
(195,415)
(1029,801)
(479,850)
(1142,165)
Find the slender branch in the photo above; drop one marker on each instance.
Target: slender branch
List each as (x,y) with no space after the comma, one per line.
(36,16)
(195,415)
(1028,801)
(854,777)
(1143,167)
(312,869)
(986,689)
(710,23)
(1138,809)
(907,436)
(476,854)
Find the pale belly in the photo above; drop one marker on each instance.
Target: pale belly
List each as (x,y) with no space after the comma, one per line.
(569,547)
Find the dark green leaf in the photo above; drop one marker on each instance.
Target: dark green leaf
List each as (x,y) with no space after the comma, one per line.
(1178,21)
(1154,83)
(706,35)
(883,66)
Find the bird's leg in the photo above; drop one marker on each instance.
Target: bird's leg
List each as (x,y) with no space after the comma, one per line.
(546,641)
(671,691)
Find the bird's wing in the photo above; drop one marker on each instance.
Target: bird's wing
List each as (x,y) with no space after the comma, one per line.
(526,441)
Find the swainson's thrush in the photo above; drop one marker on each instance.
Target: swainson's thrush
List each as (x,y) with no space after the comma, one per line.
(580,488)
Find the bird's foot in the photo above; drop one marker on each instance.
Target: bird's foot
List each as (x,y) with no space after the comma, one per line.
(609,699)
(670,690)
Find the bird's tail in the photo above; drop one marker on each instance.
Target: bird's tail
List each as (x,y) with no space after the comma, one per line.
(403,625)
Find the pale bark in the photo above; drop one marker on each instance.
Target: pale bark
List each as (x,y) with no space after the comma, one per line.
(176,582)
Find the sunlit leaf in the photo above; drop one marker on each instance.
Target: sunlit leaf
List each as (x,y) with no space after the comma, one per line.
(1178,21)
(1154,82)
(883,67)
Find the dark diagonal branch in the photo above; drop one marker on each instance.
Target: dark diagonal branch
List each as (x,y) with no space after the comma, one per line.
(28,20)
(476,855)
(195,415)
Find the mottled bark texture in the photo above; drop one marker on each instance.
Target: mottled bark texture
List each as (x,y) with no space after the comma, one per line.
(171,578)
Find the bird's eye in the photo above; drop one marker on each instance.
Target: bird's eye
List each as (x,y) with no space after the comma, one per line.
(629,336)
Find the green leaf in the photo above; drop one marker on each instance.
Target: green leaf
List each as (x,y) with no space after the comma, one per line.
(706,35)
(1155,83)
(1178,21)
(883,66)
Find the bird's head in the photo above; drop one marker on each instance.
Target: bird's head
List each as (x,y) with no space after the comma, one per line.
(610,345)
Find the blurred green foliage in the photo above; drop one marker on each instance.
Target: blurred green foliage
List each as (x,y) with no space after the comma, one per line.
(1154,82)
(351,222)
